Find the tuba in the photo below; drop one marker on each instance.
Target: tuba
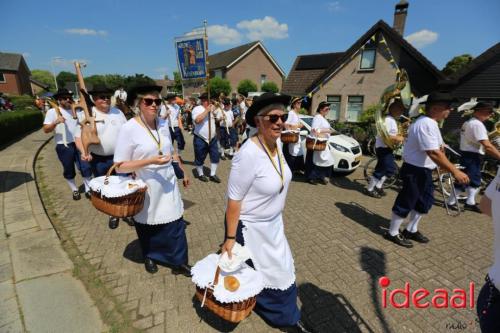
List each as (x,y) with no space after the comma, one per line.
(399,90)
(494,136)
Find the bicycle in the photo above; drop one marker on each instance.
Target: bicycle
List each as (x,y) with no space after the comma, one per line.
(369,168)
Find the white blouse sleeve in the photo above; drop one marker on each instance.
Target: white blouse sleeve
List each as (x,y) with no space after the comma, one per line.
(124,146)
(241,176)
(316,123)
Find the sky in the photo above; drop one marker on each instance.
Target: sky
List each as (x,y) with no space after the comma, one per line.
(127,37)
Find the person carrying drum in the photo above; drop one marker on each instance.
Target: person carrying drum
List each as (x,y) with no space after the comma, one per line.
(474,143)
(293,151)
(422,154)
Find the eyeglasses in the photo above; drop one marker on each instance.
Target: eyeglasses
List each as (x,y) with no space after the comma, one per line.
(150,101)
(274,117)
(103,97)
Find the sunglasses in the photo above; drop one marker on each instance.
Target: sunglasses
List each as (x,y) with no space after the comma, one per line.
(150,101)
(273,118)
(103,97)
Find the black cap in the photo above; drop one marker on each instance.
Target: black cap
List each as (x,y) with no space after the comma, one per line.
(322,105)
(170,96)
(482,105)
(226,101)
(62,92)
(100,89)
(264,100)
(132,94)
(437,96)
(203,96)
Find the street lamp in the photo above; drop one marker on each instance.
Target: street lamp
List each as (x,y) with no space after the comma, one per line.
(53,71)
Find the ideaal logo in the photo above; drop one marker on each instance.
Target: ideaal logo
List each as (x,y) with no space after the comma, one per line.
(422,298)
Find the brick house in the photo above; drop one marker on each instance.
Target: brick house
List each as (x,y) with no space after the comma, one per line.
(38,87)
(479,79)
(14,74)
(354,80)
(249,61)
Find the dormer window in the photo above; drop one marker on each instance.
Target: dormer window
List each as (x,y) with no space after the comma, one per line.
(367,59)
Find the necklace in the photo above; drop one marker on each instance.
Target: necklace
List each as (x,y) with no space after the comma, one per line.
(280,162)
(157,141)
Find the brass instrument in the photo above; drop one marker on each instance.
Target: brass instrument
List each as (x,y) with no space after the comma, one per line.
(89,129)
(494,136)
(399,90)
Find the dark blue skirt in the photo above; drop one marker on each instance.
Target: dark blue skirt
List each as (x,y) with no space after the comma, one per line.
(277,307)
(164,243)
(312,171)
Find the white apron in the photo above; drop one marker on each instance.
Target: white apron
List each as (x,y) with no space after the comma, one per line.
(295,149)
(323,158)
(270,252)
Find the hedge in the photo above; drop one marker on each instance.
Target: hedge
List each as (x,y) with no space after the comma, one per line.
(14,124)
(23,102)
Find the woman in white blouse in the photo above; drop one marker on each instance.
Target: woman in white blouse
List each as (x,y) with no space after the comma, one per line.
(145,148)
(293,151)
(257,188)
(319,163)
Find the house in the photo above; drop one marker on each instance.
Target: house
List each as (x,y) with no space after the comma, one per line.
(249,61)
(354,80)
(479,79)
(167,85)
(38,87)
(14,74)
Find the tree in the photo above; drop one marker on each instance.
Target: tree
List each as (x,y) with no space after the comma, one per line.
(177,82)
(368,114)
(114,81)
(246,86)
(219,85)
(65,77)
(269,86)
(457,63)
(45,77)
(94,80)
(138,79)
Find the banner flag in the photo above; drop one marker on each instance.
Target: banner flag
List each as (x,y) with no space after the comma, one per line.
(191,54)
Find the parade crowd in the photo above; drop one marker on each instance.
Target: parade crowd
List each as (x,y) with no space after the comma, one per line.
(150,145)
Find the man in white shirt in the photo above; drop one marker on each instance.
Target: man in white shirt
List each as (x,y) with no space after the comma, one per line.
(121,94)
(386,166)
(172,113)
(423,153)
(205,139)
(474,143)
(108,123)
(65,125)
(228,135)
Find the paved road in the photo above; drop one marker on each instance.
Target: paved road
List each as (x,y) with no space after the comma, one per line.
(335,233)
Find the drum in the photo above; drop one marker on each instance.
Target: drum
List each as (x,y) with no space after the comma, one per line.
(290,136)
(317,144)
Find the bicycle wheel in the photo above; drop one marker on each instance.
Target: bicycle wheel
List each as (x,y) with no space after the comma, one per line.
(369,168)
(370,146)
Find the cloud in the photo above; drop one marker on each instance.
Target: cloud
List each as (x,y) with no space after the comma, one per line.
(219,34)
(422,38)
(266,28)
(86,32)
(333,6)
(68,63)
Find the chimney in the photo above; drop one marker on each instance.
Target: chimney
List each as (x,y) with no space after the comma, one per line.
(400,16)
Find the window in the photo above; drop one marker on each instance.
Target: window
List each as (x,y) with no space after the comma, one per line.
(334,101)
(218,73)
(263,78)
(2,78)
(368,59)
(354,108)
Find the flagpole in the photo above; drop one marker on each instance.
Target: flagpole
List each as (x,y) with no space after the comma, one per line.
(207,76)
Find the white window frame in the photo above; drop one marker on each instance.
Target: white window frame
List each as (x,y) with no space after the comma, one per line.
(332,103)
(263,79)
(374,59)
(360,111)
(2,78)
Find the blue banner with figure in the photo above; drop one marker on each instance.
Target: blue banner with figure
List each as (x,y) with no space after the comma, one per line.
(191,57)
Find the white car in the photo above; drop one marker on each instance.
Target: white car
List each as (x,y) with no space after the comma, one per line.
(346,151)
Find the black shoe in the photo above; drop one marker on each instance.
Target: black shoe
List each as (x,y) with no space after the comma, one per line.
(380,191)
(372,193)
(113,222)
(313,181)
(76,195)
(416,236)
(150,266)
(398,239)
(323,181)
(87,195)
(129,220)
(215,179)
(222,157)
(300,327)
(203,178)
(472,208)
(183,269)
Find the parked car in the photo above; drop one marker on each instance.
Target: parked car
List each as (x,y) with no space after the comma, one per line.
(346,150)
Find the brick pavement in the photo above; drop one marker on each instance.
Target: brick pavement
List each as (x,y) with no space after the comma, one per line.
(335,234)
